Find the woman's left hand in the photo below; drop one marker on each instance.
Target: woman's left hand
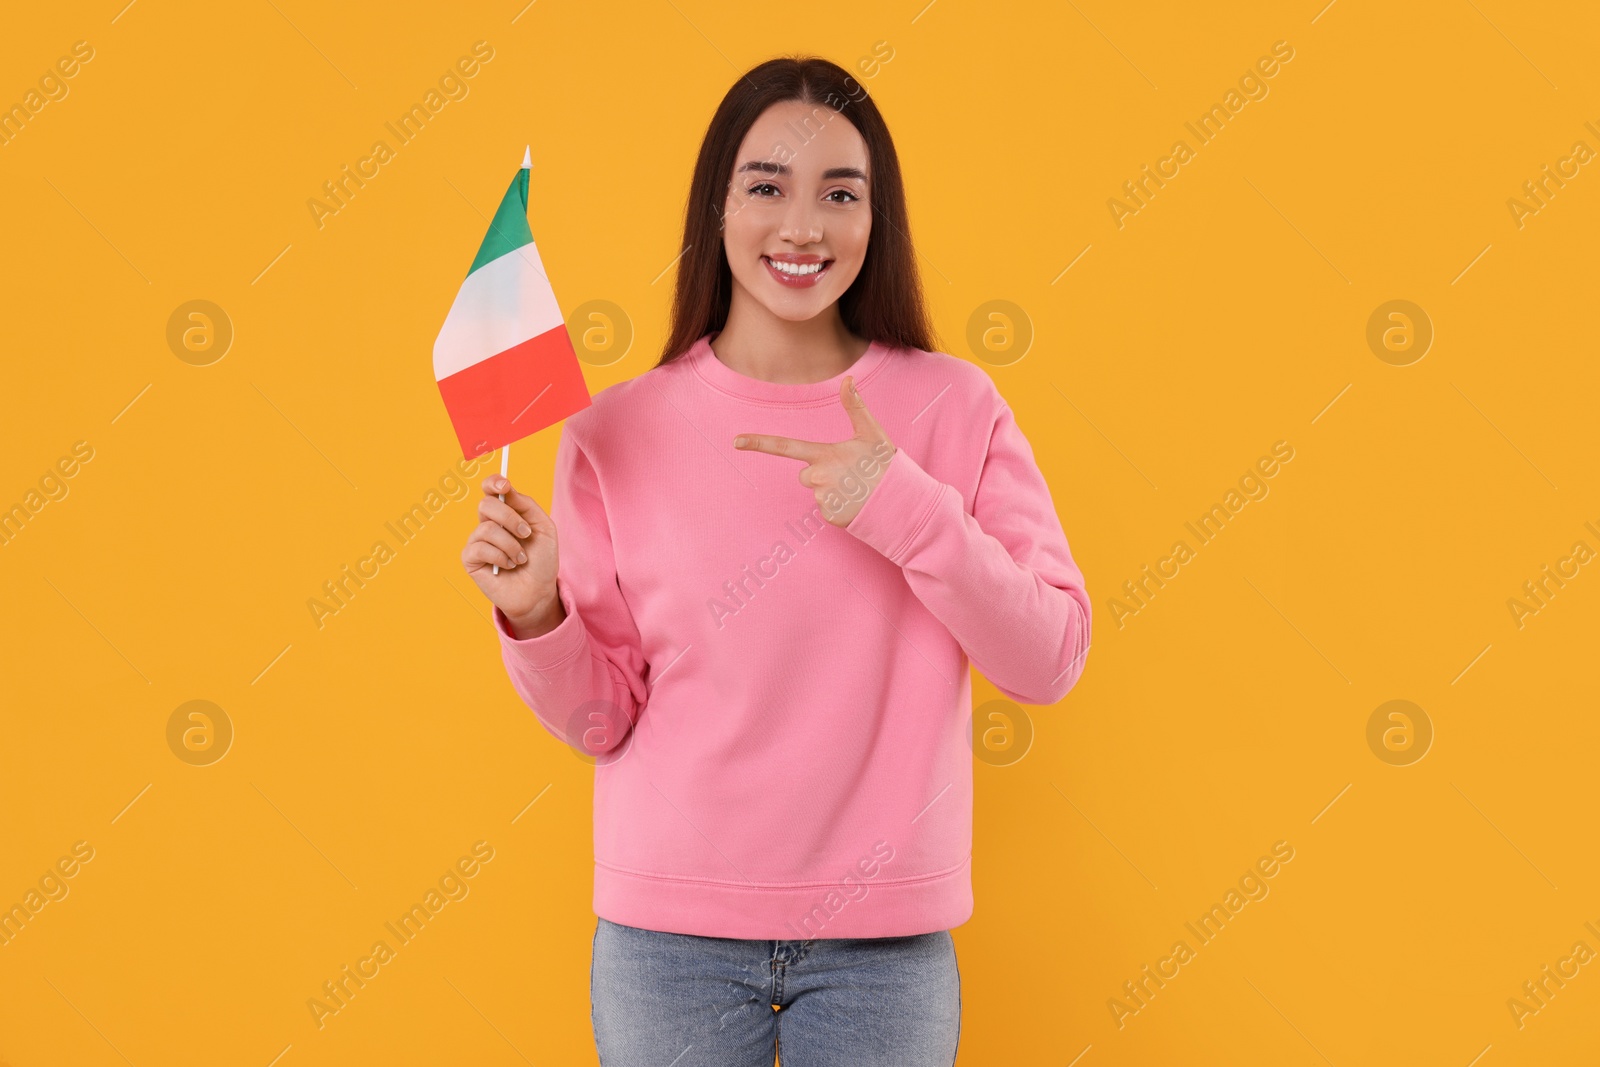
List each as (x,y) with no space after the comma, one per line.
(841,473)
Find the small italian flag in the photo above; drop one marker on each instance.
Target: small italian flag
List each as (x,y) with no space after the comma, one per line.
(503,361)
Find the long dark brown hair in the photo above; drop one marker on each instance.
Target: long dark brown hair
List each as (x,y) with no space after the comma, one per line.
(885,302)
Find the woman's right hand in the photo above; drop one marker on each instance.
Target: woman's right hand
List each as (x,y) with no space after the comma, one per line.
(517,535)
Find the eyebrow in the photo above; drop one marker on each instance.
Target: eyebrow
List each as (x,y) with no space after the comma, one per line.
(782,170)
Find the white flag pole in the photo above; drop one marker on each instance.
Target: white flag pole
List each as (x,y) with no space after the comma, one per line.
(505,462)
(505,452)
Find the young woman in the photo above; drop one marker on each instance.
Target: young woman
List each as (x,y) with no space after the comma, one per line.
(780,549)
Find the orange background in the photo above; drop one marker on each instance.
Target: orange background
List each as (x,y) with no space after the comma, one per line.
(1228,313)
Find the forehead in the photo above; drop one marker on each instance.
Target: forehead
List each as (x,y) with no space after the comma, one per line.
(809,138)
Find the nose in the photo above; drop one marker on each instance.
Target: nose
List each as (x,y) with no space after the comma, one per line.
(800,225)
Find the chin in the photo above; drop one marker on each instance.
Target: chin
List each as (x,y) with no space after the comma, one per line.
(790,313)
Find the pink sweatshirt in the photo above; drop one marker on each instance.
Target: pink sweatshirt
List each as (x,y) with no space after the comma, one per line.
(780,708)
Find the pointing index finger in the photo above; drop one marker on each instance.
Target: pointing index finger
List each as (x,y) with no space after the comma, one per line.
(793,448)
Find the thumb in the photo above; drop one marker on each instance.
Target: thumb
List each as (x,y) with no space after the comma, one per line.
(861,420)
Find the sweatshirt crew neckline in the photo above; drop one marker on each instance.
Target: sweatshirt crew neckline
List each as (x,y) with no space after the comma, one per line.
(727,380)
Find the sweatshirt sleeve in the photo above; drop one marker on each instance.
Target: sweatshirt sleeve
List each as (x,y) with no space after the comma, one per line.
(1002,578)
(584,680)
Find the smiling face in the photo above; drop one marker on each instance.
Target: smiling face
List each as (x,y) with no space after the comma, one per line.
(798,214)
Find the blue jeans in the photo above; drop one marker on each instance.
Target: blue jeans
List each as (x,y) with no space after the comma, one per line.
(663,999)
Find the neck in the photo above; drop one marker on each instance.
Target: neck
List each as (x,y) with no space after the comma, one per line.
(758,344)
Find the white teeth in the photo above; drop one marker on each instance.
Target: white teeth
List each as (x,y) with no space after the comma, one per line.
(791,268)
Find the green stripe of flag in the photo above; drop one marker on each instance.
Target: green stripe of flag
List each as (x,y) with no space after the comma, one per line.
(509,230)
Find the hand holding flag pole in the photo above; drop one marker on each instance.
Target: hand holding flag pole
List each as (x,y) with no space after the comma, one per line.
(504,363)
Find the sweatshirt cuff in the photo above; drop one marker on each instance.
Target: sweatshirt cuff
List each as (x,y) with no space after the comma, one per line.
(546,650)
(898,508)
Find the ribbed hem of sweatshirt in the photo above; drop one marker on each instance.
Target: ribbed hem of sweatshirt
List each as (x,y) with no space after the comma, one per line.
(868,908)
